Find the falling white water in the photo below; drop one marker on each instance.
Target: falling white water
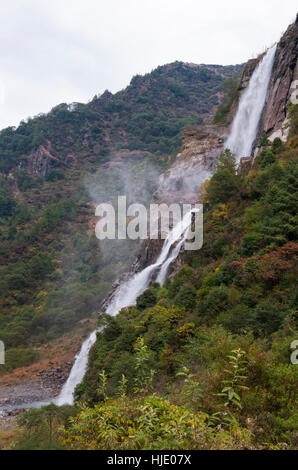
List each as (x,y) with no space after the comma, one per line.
(77,372)
(165,266)
(126,295)
(246,121)
(75,377)
(130,290)
(240,141)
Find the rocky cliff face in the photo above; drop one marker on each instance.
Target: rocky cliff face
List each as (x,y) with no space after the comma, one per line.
(282,88)
(41,160)
(284,81)
(246,74)
(248,71)
(200,146)
(179,184)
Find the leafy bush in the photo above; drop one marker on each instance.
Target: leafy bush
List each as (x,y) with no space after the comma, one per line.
(7,202)
(146,423)
(40,427)
(55,174)
(222,187)
(230,94)
(186,297)
(147,299)
(267,157)
(266,317)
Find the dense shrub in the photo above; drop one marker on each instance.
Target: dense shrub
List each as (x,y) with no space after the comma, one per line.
(147,299)
(40,427)
(18,357)
(146,423)
(266,317)
(230,95)
(55,174)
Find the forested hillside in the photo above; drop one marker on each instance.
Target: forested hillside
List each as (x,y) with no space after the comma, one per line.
(204,360)
(55,168)
(147,115)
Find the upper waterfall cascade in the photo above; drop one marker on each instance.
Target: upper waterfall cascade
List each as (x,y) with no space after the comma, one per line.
(247,118)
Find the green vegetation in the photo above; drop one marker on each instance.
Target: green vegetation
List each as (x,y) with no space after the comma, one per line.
(149,114)
(230,95)
(7,202)
(54,272)
(18,357)
(224,324)
(202,362)
(40,427)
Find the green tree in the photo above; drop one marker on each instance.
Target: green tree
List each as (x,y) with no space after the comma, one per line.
(226,161)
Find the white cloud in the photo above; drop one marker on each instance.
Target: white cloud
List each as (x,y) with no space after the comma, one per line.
(54,51)
(2,93)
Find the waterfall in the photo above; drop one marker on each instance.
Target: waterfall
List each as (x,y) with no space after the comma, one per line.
(77,372)
(240,141)
(126,295)
(246,121)
(130,290)
(243,133)
(164,268)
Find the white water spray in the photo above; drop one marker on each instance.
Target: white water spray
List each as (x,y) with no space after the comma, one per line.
(77,372)
(126,295)
(246,121)
(130,290)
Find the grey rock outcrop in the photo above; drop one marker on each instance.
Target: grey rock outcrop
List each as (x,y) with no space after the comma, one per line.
(284,81)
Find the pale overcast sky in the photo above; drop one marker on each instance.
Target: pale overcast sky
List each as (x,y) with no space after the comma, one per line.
(54,51)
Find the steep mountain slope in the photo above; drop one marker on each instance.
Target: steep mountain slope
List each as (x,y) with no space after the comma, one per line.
(148,115)
(231,305)
(56,167)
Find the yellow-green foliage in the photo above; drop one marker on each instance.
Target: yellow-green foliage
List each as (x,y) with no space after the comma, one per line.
(148,423)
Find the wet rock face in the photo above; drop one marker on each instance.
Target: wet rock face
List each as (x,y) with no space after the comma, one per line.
(149,253)
(123,278)
(247,72)
(181,183)
(284,74)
